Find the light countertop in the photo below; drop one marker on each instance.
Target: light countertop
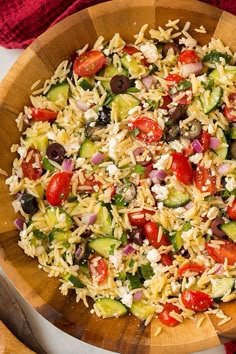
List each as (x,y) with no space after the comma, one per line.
(62,343)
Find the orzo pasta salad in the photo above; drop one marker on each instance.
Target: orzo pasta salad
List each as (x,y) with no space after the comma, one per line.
(125,175)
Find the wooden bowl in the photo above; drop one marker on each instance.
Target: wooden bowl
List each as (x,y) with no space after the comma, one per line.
(39,60)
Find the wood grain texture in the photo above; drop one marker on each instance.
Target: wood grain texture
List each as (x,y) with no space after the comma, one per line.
(125,335)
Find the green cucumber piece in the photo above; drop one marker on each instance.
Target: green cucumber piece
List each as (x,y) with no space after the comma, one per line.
(221,151)
(57,216)
(110,308)
(176,240)
(123,103)
(58,90)
(233,133)
(74,280)
(230,229)
(215,56)
(104,221)
(39,142)
(104,246)
(85,85)
(141,310)
(134,68)
(176,199)
(212,101)
(83,269)
(220,286)
(59,235)
(87,149)
(229,73)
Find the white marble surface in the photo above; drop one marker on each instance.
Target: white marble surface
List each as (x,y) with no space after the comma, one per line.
(62,343)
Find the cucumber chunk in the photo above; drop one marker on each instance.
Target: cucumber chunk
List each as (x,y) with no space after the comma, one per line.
(141,310)
(39,142)
(233,133)
(74,280)
(221,286)
(110,308)
(209,103)
(104,221)
(58,90)
(57,216)
(230,229)
(87,149)
(229,74)
(109,72)
(59,235)
(122,103)
(134,68)
(221,151)
(104,246)
(176,199)
(176,240)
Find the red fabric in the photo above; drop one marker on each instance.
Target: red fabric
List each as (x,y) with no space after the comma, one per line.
(23,20)
(230,347)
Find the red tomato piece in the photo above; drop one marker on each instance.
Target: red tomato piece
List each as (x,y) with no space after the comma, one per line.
(150,231)
(165,316)
(132,50)
(166,259)
(191,269)
(182,168)
(204,140)
(58,188)
(32,166)
(226,250)
(231,210)
(196,300)
(44,115)
(98,269)
(204,180)
(174,80)
(88,185)
(166,101)
(230,112)
(188,56)
(147,129)
(139,218)
(89,63)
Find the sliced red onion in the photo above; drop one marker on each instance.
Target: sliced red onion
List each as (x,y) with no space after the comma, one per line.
(19,222)
(138,295)
(215,227)
(147,81)
(214,142)
(189,205)
(192,68)
(80,251)
(97,158)
(157,176)
(219,269)
(128,250)
(223,169)
(67,165)
(89,219)
(84,106)
(197,145)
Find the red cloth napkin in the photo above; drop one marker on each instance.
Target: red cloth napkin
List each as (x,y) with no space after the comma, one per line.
(23,20)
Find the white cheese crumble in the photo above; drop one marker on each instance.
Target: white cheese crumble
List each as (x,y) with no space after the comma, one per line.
(22,151)
(126,297)
(175,287)
(176,145)
(212,213)
(114,141)
(160,191)
(230,183)
(90,115)
(150,52)
(191,281)
(164,162)
(153,256)
(196,158)
(116,259)
(112,170)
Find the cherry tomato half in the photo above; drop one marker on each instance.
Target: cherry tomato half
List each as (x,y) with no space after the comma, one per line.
(230,112)
(191,269)
(188,56)
(231,210)
(226,250)
(32,166)
(182,168)
(98,269)
(196,300)
(147,129)
(204,140)
(89,63)
(165,316)
(132,50)
(44,115)
(166,259)
(204,180)
(150,231)
(58,188)
(139,218)
(166,101)
(175,80)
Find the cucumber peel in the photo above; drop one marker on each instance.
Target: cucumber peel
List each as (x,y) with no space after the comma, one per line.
(110,308)
(104,246)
